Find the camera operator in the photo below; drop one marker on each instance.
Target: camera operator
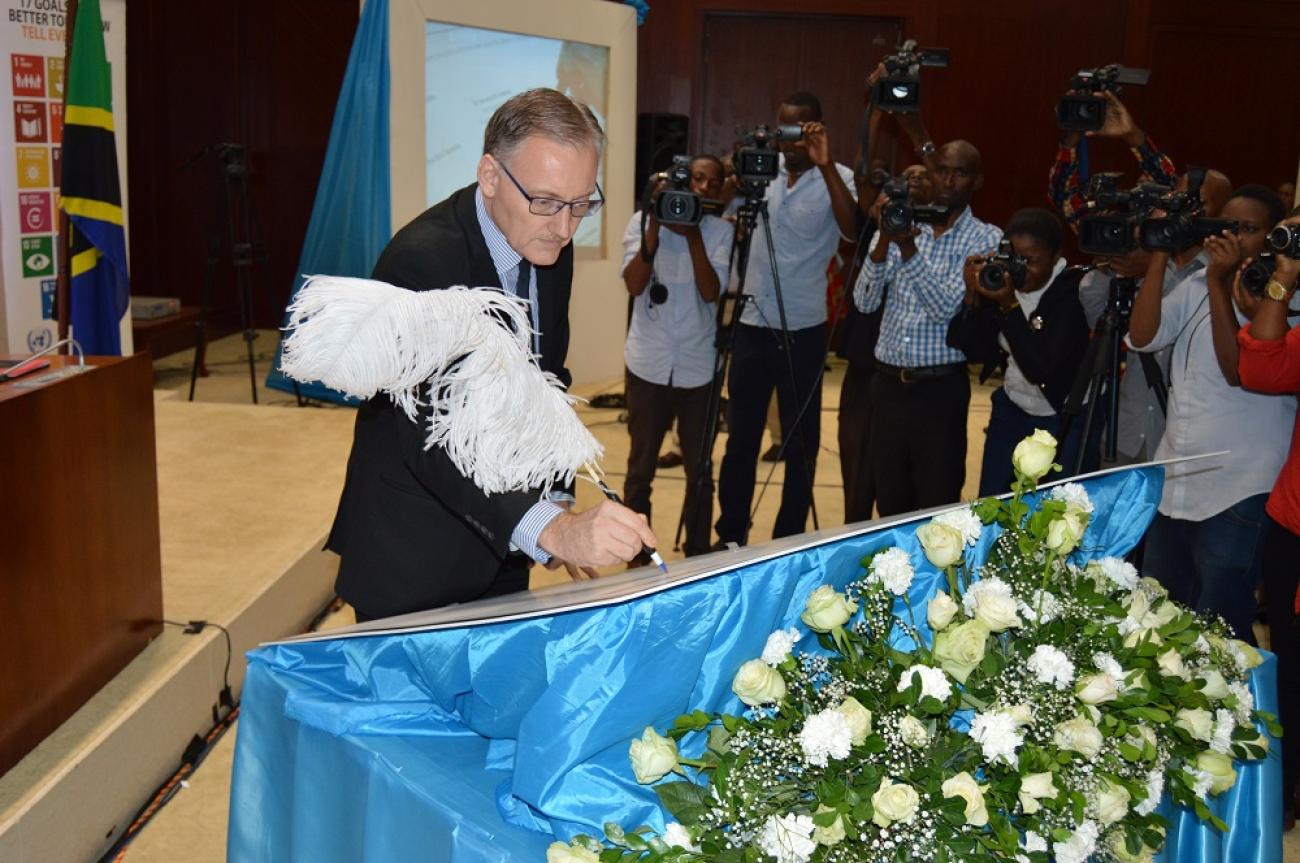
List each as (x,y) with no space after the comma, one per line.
(1204,543)
(921,391)
(1031,321)
(810,208)
(675,277)
(1269,362)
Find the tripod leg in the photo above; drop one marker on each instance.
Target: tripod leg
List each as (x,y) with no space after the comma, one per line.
(201,325)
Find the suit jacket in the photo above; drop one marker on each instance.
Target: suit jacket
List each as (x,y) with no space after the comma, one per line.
(1048,346)
(412,531)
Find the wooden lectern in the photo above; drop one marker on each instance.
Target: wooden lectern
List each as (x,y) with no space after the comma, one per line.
(80,564)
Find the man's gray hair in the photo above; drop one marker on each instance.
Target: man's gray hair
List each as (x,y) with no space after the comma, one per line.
(545,112)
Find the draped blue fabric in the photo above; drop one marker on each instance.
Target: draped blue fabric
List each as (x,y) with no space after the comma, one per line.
(486,742)
(351,220)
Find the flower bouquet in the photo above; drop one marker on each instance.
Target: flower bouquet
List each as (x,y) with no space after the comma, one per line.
(1036,710)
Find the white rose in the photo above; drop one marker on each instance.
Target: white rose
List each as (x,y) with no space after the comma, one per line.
(1197,722)
(913,732)
(940,611)
(1064,533)
(1249,656)
(858,717)
(778,646)
(1140,737)
(894,802)
(1035,787)
(1078,735)
(1112,803)
(1171,664)
(758,683)
(1165,613)
(1022,714)
(1219,766)
(960,649)
(827,609)
(944,545)
(1216,688)
(1097,689)
(831,835)
(653,757)
(1118,846)
(997,612)
(963,785)
(1034,455)
(562,852)
(677,836)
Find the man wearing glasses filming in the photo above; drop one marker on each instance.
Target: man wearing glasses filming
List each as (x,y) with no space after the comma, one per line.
(412,531)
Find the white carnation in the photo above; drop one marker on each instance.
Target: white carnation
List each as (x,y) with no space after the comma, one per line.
(964,521)
(779,644)
(1073,494)
(1201,645)
(893,569)
(1040,602)
(1051,666)
(826,735)
(1079,847)
(1120,573)
(1107,664)
(1033,842)
(998,734)
(1221,737)
(933,682)
(1200,781)
(1155,791)
(1245,701)
(991,586)
(677,836)
(788,838)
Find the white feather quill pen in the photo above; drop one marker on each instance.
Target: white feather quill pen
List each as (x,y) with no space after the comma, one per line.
(502,420)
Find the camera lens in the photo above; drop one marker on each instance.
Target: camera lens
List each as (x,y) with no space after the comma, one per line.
(677,206)
(1282,239)
(1256,276)
(993,277)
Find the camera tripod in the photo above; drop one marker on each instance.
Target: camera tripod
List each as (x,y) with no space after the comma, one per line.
(751,213)
(232,215)
(1099,373)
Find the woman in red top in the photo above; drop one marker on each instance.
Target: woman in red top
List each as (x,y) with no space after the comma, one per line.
(1269,361)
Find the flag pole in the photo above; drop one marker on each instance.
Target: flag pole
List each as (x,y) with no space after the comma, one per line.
(63,283)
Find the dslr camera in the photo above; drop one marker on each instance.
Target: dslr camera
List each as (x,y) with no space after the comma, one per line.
(1184,223)
(900,215)
(1113,215)
(1003,266)
(756,160)
(1282,240)
(899,91)
(676,204)
(1086,112)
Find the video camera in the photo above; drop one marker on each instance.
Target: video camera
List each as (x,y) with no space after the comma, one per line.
(1285,240)
(1282,240)
(1114,233)
(900,215)
(757,160)
(899,91)
(675,203)
(1002,266)
(1087,113)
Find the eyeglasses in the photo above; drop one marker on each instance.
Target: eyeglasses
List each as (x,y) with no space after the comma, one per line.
(550,206)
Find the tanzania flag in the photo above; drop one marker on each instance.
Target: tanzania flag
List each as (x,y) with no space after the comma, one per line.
(91,194)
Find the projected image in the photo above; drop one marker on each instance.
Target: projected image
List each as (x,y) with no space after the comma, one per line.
(469,72)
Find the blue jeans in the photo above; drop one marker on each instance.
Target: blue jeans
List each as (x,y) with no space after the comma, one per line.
(1211,565)
(1009,425)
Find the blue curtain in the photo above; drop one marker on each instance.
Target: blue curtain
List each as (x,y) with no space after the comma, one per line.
(351,219)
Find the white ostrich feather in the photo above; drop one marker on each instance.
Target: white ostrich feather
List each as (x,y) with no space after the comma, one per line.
(501,419)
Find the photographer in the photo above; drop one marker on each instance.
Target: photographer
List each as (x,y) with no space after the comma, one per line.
(1204,544)
(1269,362)
(810,208)
(675,272)
(1033,323)
(921,390)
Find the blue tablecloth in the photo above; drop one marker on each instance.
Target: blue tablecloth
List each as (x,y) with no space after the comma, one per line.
(487,742)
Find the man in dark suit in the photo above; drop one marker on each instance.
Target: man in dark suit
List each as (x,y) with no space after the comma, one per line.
(412,531)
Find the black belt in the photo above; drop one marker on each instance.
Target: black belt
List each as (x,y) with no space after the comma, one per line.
(920,373)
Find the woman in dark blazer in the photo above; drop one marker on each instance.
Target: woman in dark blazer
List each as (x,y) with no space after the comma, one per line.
(1034,326)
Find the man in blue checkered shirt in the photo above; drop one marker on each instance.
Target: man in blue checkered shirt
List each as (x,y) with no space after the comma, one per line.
(921,392)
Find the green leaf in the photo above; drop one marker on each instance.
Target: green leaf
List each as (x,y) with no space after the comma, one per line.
(685,800)
(1130,753)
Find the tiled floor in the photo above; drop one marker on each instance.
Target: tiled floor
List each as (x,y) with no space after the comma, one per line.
(192,827)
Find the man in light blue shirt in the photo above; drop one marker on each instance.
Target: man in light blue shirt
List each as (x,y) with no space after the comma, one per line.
(810,208)
(921,392)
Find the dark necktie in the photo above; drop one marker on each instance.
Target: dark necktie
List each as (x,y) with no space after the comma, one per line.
(521,282)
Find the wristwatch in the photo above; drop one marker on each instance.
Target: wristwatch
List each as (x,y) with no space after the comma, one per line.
(926,150)
(1275,290)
